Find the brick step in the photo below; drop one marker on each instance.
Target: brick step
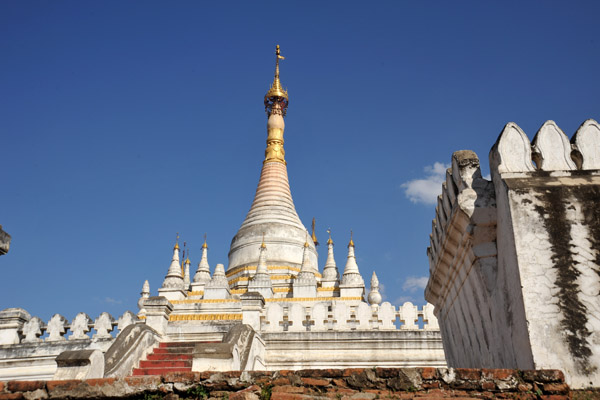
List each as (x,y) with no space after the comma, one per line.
(158,371)
(174,350)
(166,364)
(168,356)
(182,344)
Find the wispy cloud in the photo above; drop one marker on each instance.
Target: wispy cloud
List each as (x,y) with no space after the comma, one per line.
(110,300)
(414,283)
(426,190)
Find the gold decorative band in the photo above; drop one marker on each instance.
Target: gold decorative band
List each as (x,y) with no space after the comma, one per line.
(196,293)
(281,290)
(315,299)
(194,301)
(328,289)
(206,317)
(253,268)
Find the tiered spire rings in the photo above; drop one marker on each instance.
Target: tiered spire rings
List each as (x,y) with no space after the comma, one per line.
(276,103)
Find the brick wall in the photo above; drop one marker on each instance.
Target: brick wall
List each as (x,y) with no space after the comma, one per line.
(372,383)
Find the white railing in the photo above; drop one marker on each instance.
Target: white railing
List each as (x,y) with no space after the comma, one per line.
(339,316)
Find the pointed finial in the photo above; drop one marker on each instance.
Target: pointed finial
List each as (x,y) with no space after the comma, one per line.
(314,236)
(176,242)
(205,246)
(306,241)
(351,241)
(187,260)
(276,97)
(263,245)
(329,241)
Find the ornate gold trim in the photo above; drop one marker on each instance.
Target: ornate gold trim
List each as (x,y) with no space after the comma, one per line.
(206,317)
(282,290)
(238,291)
(196,293)
(328,289)
(316,299)
(253,268)
(194,301)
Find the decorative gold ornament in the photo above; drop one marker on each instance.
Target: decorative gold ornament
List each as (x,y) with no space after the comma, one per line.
(276,92)
(314,236)
(206,317)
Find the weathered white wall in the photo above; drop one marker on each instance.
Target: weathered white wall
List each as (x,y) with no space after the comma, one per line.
(532,303)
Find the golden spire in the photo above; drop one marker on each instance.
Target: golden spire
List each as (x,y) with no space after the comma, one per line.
(176,242)
(205,246)
(276,91)
(263,245)
(306,242)
(351,241)
(314,236)
(329,241)
(276,102)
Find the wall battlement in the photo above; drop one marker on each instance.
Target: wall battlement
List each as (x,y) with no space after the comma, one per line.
(515,261)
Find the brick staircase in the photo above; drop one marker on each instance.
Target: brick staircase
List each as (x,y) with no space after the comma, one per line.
(168,357)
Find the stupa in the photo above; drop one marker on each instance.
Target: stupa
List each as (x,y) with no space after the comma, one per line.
(270,309)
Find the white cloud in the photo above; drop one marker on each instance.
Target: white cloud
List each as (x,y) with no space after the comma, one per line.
(427,189)
(110,300)
(414,283)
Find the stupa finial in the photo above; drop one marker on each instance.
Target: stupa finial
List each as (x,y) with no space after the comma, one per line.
(314,236)
(276,99)
(329,241)
(176,242)
(205,246)
(351,241)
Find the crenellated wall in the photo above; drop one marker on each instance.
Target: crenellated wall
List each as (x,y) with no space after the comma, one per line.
(29,346)
(515,262)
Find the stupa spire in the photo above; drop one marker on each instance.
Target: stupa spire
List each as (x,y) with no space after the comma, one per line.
(203,272)
(174,278)
(331,275)
(272,210)
(276,103)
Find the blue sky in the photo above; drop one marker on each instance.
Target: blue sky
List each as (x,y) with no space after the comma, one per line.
(122,123)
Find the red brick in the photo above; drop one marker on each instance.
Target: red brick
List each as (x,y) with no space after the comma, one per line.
(550,375)
(501,374)
(288,389)
(1,386)
(430,385)
(315,382)
(147,380)
(468,373)
(486,385)
(281,382)
(340,390)
(185,377)
(63,385)
(353,371)
(25,386)
(100,381)
(286,396)
(429,373)
(524,387)
(339,383)
(556,388)
(11,396)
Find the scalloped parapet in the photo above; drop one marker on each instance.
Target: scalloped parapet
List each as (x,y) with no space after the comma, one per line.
(514,262)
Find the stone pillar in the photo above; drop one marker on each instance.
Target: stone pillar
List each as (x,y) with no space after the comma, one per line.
(158,309)
(11,325)
(252,305)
